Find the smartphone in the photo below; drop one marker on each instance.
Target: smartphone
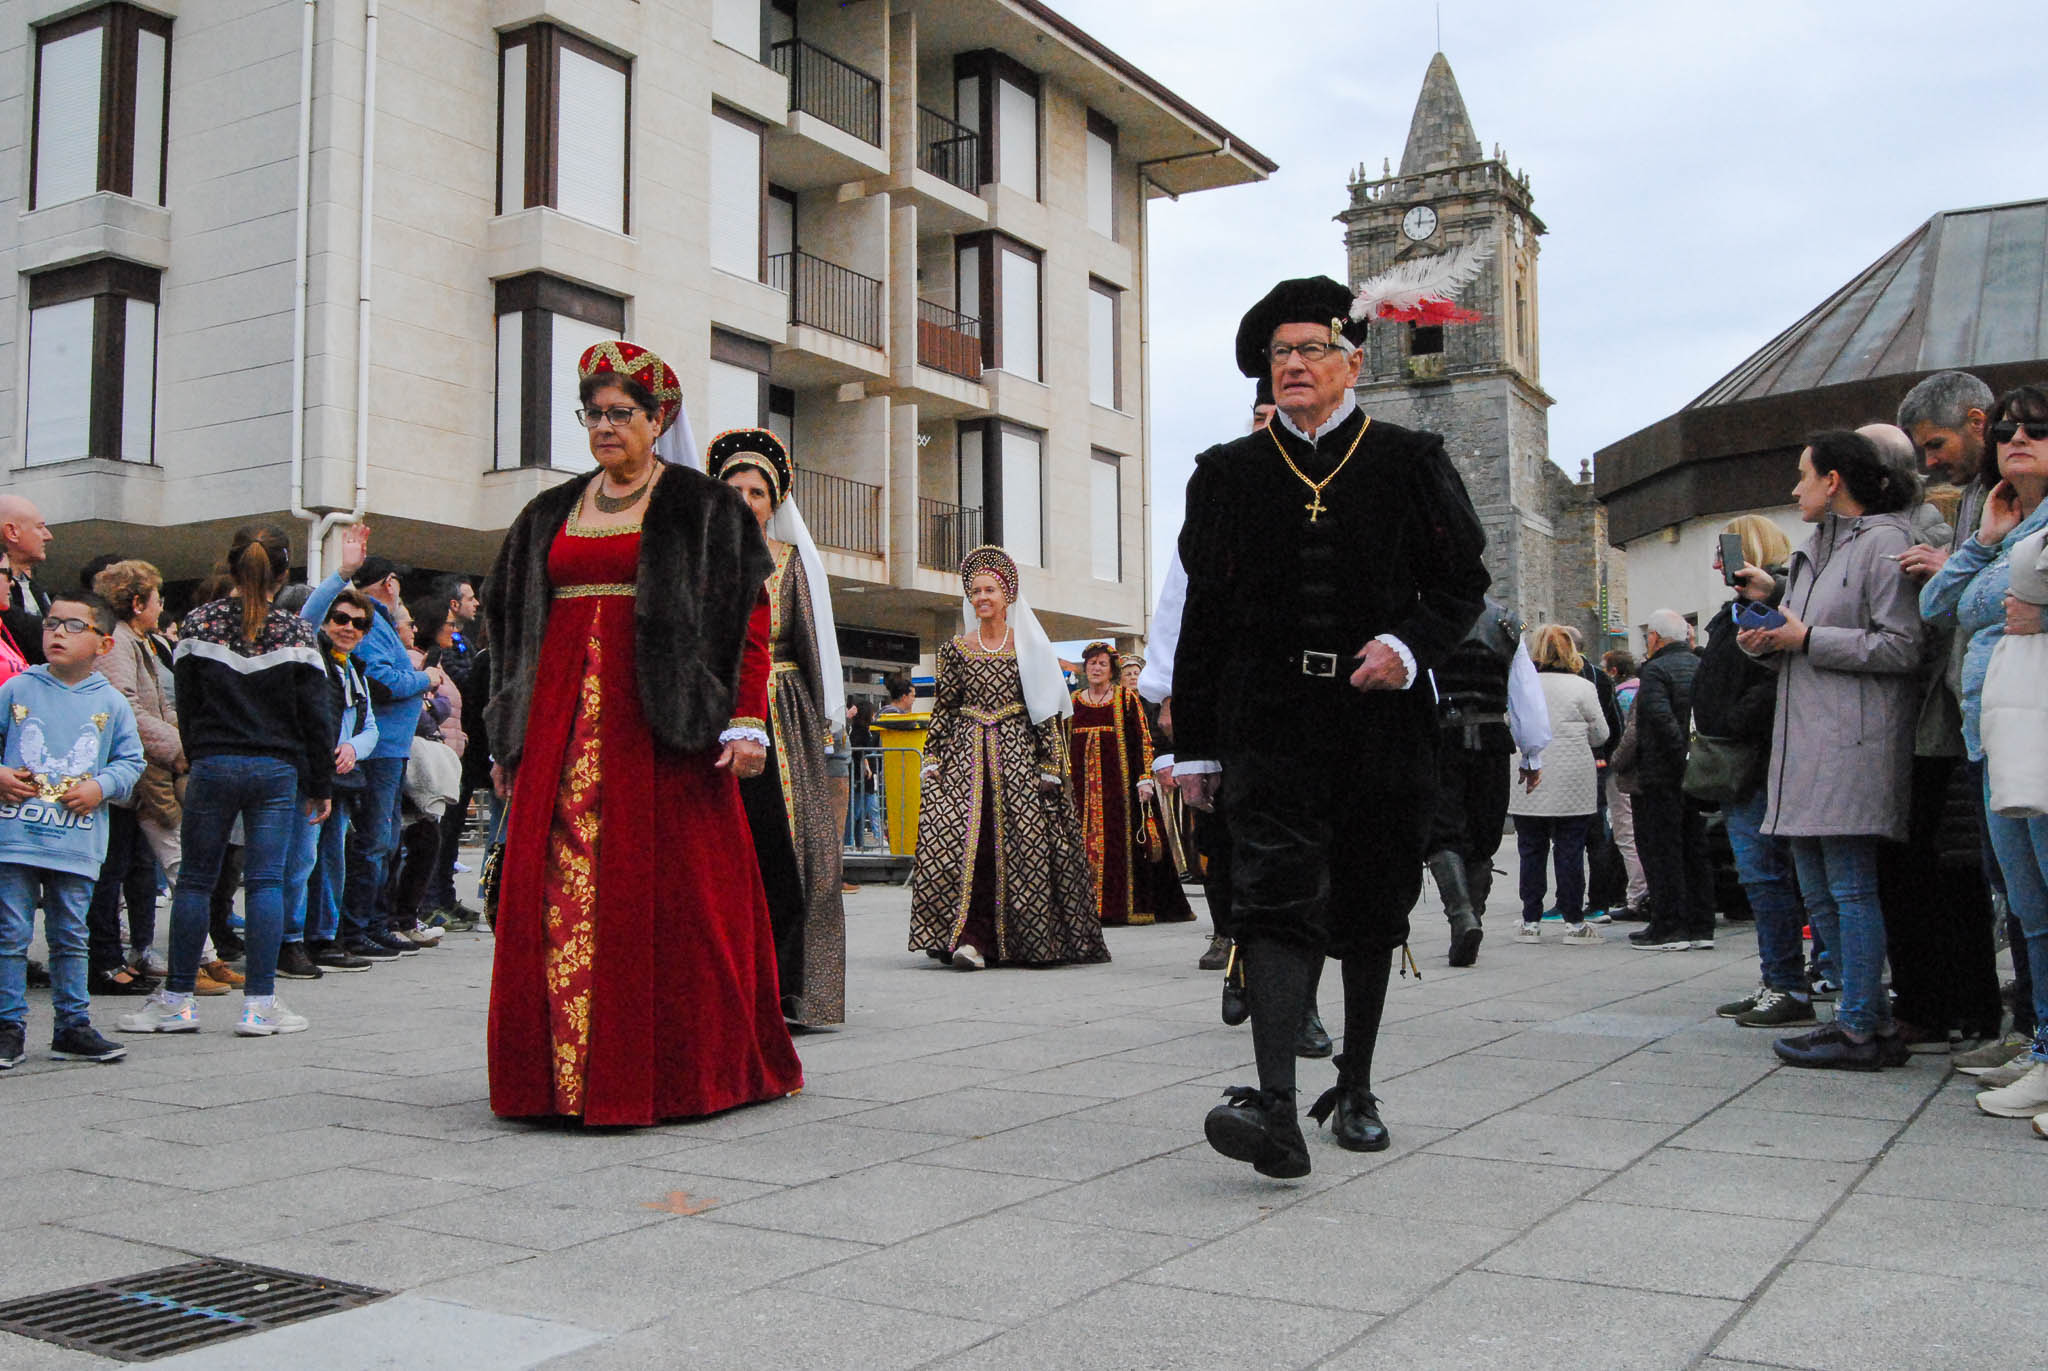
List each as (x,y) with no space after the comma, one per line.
(1731,557)
(1757,614)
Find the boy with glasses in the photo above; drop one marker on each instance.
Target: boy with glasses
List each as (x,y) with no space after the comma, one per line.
(68,745)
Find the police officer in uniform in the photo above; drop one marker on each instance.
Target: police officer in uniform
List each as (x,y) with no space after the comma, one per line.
(1332,560)
(1489,705)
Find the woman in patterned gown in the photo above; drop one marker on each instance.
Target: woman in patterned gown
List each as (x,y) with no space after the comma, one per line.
(795,824)
(635,975)
(1111,768)
(1001,874)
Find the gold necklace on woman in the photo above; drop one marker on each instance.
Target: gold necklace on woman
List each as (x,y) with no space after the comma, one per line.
(1315,505)
(619,504)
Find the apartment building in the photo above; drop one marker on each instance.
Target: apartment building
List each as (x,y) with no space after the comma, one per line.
(301,260)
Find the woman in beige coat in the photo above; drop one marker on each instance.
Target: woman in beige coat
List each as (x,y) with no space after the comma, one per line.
(1553,818)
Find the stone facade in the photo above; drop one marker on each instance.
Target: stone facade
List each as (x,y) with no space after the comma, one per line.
(1479,384)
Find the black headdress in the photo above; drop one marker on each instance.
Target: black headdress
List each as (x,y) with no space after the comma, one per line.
(756,448)
(1308,300)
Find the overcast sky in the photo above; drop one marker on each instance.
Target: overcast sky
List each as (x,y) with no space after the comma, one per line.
(1707,173)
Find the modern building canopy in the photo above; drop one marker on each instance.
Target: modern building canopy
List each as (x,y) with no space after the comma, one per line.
(1968,290)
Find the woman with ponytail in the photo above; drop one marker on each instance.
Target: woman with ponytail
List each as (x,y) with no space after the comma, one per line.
(257,720)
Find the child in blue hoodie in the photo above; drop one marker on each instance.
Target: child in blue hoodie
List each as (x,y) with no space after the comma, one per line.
(68,746)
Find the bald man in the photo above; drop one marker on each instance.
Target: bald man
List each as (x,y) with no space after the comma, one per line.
(25,542)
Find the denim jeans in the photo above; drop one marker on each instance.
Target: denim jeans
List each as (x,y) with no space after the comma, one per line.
(2022,848)
(330,876)
(65,897)
(1563,841)
(1838,877)
(1764,867)
(302,852)
(264,793)
(376,832)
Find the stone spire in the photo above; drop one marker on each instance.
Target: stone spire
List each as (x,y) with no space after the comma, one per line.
(1441,134)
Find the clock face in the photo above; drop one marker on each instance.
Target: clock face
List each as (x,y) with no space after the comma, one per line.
(1419,223)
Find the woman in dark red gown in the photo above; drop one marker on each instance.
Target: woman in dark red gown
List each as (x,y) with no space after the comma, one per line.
(635,972)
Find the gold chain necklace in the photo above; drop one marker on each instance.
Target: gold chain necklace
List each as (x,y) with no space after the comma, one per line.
(1315,506)
(619,504)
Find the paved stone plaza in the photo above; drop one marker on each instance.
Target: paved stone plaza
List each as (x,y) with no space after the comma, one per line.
(1006,1170)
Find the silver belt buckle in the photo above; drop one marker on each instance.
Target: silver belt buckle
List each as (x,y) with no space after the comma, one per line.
(1319,664)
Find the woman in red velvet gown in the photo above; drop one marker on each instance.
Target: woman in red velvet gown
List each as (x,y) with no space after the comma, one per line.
(635,971)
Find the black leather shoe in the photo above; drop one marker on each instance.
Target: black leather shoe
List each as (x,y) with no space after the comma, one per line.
(1258,1126)
(1357,1126)
(1828,1048)
(294,963)
(1217,957)
(121,981)
(1237,1004)
(1313,1040)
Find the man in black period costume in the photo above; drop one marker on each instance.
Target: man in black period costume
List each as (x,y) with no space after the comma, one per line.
(1331,562)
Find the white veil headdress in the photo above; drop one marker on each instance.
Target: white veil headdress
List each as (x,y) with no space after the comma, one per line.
(678,442)
(1038,666)
(787,525)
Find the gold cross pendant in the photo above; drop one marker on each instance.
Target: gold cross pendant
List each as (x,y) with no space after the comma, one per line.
(1315,506)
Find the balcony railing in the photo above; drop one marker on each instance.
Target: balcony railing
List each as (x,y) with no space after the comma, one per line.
(839,513)
(828,296)
(948,341)
(945,534)
(838,92)
(948,150)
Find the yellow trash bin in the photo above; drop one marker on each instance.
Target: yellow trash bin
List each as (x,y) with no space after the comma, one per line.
(902,740)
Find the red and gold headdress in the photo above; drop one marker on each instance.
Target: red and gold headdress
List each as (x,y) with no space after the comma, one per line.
(638,365)
(992,559)
(1105,649)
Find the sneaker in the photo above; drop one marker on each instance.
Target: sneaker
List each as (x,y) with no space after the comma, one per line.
(369,950)
(2023,1099)
(162,1014)
(146,962)
(1529,933)
(1654,939)
(220,971)
(2041,1125)
(13,1045)
(1999,1077)
(335,957)
(1991,1055)
(393,942)
(83,1043)
(1830,1048)
(967,957)
(1599,916)
(1217,957)
(262,1021)
(1776,1009)
(294,963)
(1581,935)
(424,935)
(455,918)
(1825,989)
(1735,1009)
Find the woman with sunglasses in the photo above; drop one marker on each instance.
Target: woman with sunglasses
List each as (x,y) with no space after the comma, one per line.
(316,863)
(1970,591)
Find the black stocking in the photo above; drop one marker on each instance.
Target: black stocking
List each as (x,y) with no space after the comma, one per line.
(1365,997)
(1277,978)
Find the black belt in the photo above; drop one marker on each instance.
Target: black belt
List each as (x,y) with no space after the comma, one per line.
(1322,665)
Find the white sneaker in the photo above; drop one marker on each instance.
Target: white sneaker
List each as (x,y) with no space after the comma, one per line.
(1529,933)
(968,957)
(1998,1077)
(146,961)
(423,932)
(2023,1099)
(1992,1055)
(2041,1125)
(261,1021)
(1599,916)
(1581,934)
(161,1014)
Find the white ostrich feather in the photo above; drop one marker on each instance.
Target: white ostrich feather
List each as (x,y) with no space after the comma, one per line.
(1408,284)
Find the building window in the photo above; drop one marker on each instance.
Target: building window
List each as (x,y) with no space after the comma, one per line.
(1105,344)
(1425,340)
(999,283)
(564,126)
(544,325)
(740,392)
(1002,467)
(1105,516)
(997,97)
(739,190)
(102,98)
(92,362)
(1101,175)
(1521,323)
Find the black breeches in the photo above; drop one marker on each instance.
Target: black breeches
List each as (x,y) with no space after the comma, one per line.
(1471,803)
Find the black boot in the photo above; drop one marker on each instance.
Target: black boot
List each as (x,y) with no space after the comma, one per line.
(1237,1005)
(1314,1039)
(1357,1126)
(1449,870)
(1479,884)
(1259,1126)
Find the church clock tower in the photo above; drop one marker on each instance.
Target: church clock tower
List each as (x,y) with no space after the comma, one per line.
(1478,384)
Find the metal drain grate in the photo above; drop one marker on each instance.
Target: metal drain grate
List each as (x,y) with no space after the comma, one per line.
(177,1308)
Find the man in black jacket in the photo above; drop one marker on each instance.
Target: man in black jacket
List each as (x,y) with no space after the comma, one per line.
(1671,834)
(1331,561)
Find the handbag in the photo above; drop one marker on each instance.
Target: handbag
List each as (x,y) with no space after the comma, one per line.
(1720,771)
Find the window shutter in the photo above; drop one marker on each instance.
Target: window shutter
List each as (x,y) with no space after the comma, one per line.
(569,445)
(1017,130)
(735,397)
(1019,318)
(1102,348)
(590,156)
(60,381)
(511,366)
(138,381)
(1022,498)
(1105,519)
(735,198)
(512,132)
(1101,185)
(152,56)
(68,119)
